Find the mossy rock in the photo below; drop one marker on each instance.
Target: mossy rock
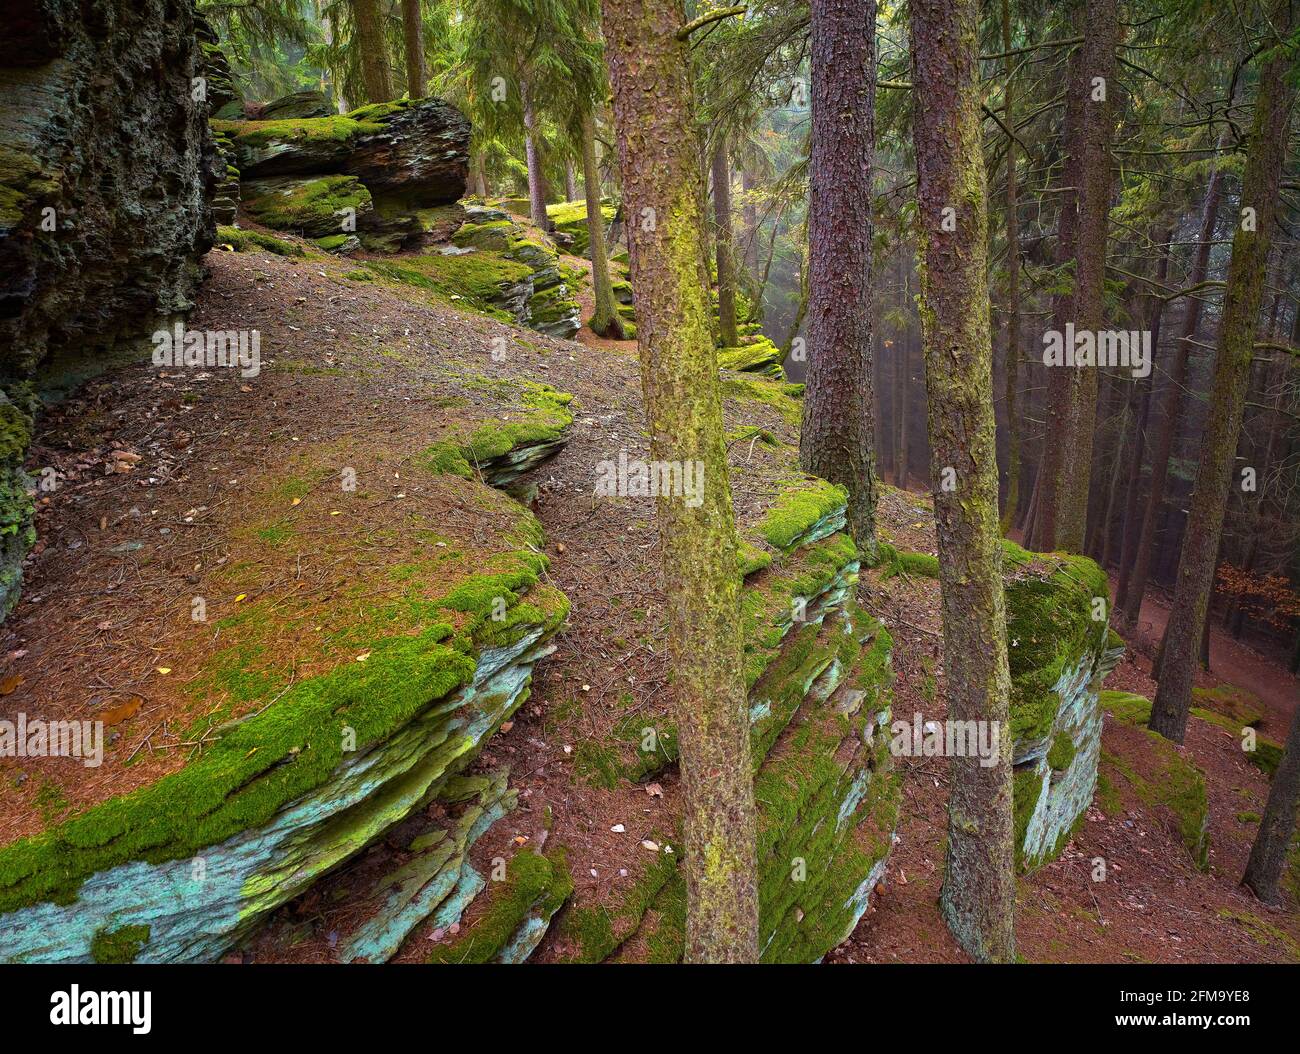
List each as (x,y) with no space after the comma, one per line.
(316,208)
(570,217)
(242,241)
(759,356)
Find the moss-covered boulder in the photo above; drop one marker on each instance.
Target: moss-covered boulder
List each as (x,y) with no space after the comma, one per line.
(1060,649)
(756,354)
(314,208)
(570,219)
(294,106)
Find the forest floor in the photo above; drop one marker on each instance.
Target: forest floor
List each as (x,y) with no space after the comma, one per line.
(370,362)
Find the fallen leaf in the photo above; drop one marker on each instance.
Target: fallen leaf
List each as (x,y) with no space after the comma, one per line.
(118,714)
(647,843)
(164,670)
(10,683)
(654,790)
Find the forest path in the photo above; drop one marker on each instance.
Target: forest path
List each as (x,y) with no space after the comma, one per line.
(1232,662)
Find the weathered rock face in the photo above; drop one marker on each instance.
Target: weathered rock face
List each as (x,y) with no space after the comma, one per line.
(105,170)
(404,157)
(298,105)
(1060,650)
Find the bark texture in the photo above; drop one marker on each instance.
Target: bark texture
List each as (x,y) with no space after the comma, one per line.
(1011,493)
(836,438)
(658,153)
(376,72)
(978,895)
(1096,78)
(413,39)
(724,245)
(1266,148)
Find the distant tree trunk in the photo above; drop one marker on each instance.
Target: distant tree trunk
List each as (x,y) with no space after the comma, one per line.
(1163,446)
(570,181)
(1011,493)
(606,320)
(901,339)
(748,184)
(979,887)
(1060,381)
(650,72)
(836,439)
(1127,551)
(1097,83)
(376,73)
(1273,841)
(533,155)
(724,242)
(1266,149)
(478,172)
(413,38)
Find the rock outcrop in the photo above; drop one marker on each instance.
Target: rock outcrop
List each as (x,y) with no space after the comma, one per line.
(105,171)
(376,177)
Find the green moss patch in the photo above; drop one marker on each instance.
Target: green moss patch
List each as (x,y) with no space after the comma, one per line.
(799,509)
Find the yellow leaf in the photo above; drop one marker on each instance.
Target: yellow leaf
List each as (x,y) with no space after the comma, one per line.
(296,501)
(240,597)
(10,683)
(164,670)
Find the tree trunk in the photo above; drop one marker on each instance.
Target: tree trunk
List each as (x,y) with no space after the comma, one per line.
(1268,855)
(1011,493)
(1096,76)
(533,155)
(900,356)
(724,244)
(606,320)
(376,74)
(1164,441)
(979,887)
(1060,381)
(413,38)
(1127,551)
(837,432)
(1266,148)
(479,175)
(650,72)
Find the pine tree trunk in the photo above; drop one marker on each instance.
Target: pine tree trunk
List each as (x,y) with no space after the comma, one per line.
(1096,75)
(650,72)
(605,320)
(1163,447)
(979,887)
(1051,465)
(725,247)
(1266,148)
(413,38)
(376,73)
(1128,549)
(1268,855)
(533,156)
(901,339)
(1012,490)
(836,441)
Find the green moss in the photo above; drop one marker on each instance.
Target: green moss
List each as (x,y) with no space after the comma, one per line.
(534,885)
(893,562)
(316,207)
(1179,785)
(798,509)
(1050,628)
(781,397)
(759,356)
(243,241)
(595,933)
(1061,754)
(1248,817)
(420,643)
(479,281)
(120,945)
(570,217)
(1261,932)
